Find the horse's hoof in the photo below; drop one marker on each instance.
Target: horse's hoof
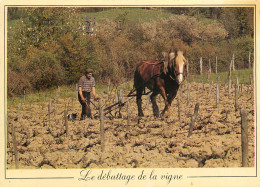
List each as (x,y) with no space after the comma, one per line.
(163,112)
(166,115)
(156,115)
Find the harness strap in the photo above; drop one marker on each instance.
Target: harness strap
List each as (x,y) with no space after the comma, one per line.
(153,63)
(172,78)
(152,74)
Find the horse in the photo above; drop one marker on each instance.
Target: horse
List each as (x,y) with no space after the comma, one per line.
(161,77)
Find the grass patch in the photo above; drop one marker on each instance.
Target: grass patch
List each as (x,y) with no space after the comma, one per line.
(242,75)
(61,92)
(134,15)
(40,96)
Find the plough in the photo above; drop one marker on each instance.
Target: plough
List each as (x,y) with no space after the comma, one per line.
(117,106)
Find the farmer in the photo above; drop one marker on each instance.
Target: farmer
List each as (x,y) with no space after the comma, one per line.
(86,85)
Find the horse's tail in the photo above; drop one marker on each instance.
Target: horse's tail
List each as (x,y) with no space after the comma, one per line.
(136,77)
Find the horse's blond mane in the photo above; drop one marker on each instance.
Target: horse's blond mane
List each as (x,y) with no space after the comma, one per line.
(167,57)
(179,52)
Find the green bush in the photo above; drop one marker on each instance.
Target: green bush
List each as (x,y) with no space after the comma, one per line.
(44,70)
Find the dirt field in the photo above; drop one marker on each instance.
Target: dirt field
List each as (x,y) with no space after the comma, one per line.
(147,142)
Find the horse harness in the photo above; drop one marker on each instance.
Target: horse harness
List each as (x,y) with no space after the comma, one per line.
(157,75)
(153,77)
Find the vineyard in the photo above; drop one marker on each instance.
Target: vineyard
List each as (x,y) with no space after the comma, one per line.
(212,121)
(39,136)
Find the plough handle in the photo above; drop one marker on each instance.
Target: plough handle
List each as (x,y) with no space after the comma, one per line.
(132,91)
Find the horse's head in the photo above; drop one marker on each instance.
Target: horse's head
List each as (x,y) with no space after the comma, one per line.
(174,65)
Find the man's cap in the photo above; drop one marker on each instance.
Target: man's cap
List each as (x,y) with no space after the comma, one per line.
(89,71)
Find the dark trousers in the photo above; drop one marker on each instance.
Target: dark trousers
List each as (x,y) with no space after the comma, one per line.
(85,106)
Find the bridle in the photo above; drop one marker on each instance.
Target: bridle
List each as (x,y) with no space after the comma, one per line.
(176,74)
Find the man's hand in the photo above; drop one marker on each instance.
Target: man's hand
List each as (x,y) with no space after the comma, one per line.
(83,100)
(97,98)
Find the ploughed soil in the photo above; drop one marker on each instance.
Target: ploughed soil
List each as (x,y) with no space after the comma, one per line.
(140,142)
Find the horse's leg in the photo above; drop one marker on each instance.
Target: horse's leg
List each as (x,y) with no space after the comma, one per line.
(139,101)
(167,106)
(139,86)
(170,98)
(154,104)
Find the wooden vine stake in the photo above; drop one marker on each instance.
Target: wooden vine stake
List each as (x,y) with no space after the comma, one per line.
(101,115)
(188,95)
(50,103)
(229,87)
(218,79)
(49,113)
(217,95)
(124,80)
(216,64)
(121,100)
(187,69)
(15,148)
(66,121)
(23,95)
(128,115)
(209,68)
(19,112)
(116,97)
(233,62)
(201,65)
(244,138)
(210,87)
(237,84)
(77,91)
(209,71)
(229,78)
(249,83)
(249,62)
(55,103)
(108,87)
(181,91)
(179,107)
(193,119)
(59,91)
(236,98)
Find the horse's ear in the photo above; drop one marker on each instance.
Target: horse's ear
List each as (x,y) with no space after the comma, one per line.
(164,55)
(171,56)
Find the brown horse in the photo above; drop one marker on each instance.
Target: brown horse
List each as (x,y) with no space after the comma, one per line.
(164,77)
